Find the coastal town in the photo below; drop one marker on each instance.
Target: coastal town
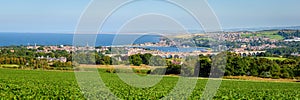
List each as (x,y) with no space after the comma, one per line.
(246,45)
(247,53)
(241,43)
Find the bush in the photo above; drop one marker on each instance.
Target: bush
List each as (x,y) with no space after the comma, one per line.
(158,71)
(142,71)
(111,70)
(62,68)
(173,69)
(265,75)
(275,77)
(285,75)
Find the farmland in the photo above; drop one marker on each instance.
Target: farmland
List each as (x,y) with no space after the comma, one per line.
(28,84)
(274,58)
(267,34)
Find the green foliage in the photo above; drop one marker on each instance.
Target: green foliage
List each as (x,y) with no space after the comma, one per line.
(146,58)
(158,71)
(266,67)
(205,66)
(61,64)
(173,68)
(201,41)
(136,60)
(142,71)
(27,58)
(111,70)
(157,61)
(289,34)
(129,70)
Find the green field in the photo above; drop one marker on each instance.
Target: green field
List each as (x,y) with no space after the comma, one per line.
(274,58)
(9,66)
(267,34)
(25,84)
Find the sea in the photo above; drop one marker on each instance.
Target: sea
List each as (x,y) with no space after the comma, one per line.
(24,39)
(17,39)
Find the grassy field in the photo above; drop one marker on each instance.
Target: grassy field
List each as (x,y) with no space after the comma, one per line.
(267,34)
(9,66)
(27,84)
(274,58)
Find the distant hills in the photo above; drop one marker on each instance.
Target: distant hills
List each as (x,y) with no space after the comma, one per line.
(253,29)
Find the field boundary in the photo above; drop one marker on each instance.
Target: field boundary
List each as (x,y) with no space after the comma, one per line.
(252,78)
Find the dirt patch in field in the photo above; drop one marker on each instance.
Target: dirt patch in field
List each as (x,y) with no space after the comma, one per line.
(259,79)
(115,66)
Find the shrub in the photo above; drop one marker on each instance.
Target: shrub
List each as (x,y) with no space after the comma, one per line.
(111,70)
(158,71)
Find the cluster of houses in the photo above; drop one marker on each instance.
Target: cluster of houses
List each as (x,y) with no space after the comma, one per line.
(133,51)
(161,43)
(50,59)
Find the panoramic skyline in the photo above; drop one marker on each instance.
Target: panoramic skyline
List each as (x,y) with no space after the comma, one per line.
(57,16)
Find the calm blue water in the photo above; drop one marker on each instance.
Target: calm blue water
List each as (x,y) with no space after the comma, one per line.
(9,39)
(17,39)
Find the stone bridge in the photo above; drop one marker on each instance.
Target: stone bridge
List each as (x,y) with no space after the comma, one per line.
(251,53)
(185,54)
(168,54)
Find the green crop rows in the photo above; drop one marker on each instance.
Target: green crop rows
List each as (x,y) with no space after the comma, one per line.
(24,84)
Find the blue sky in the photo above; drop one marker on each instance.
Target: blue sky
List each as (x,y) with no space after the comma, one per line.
(61,16)
(253,13)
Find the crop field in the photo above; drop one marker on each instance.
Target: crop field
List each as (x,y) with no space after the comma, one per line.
(27,84)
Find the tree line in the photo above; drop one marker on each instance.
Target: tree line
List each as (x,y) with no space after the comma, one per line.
(289,34)
(236,65)
(28,58)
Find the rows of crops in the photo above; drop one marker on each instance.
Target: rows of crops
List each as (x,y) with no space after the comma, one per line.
(24,84)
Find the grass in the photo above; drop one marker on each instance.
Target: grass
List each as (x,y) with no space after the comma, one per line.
(274,58)
(267,34)
(28,84)
(9,66)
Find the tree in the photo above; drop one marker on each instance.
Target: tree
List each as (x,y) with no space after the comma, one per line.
(275,70)
(285,73)
(205,66)
(107,60)
(189,66)
(80,57)
(146,58)
(135,60)
(297,70)
(40,48)
(157,61)
(173,68)
(90,57)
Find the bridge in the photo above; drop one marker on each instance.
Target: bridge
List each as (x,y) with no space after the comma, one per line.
(166,54)
(249,53)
